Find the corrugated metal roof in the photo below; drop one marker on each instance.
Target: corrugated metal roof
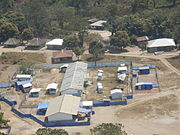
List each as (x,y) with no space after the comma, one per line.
(22,76)
(35,90)
(55,42)
(65,104)
(116,91)
(162,42)
(75,76)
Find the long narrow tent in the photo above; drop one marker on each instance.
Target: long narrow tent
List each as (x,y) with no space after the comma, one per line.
(73,82)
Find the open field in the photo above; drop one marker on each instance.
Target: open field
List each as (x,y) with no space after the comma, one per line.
(16,58)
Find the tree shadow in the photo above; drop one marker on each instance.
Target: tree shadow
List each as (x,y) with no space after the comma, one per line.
(92,59)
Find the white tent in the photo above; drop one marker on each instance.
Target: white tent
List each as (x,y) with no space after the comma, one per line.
(52,88)
(116,94)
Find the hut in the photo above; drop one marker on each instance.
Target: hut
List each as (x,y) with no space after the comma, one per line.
(12,42)
(99,88)
(74,78)
(116,94)
(63,108)
(34,92)
(144,86)
(162,44)
(55,44)
(98,25)
(62,56)
(52,88)
(35,44)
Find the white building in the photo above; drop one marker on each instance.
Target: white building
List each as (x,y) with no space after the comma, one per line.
(34,92)
(62,108)
(74,78)
(23,77)
(122,69)
(116,94)
(27,87)
(55,44)
(52,88)
(162,44)
(99,88)
(121,77)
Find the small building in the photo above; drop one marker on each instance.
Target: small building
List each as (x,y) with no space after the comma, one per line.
(162,44)
(144,86)
(52,88)
(116,94)
(63,108)
(35,44)
(62,56)
(74,78)
(23,77)
(27,87)
(142,39)
(34,92)
(121,77)
(99,25)
(55,44)
(63,68)
(12,42)
(93,20)
(100,75)
(42,108)
(122,69)
(19,85)
(99,88)
(144,70)
(86,104)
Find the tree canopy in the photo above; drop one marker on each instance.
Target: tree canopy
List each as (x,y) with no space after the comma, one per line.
(49,131)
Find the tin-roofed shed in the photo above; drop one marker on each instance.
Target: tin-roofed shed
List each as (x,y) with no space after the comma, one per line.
(73,82)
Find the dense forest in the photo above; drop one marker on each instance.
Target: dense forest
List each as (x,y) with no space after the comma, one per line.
(26,19)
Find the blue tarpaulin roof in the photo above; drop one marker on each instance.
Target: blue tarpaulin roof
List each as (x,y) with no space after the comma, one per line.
(4,85)
(43,105)
(149,66)
(83,110)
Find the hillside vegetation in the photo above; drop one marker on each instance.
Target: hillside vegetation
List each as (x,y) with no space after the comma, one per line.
(26,19)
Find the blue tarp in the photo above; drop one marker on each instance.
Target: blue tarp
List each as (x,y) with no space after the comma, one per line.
(83,110)
(4,85)
(149,66)
(43,106)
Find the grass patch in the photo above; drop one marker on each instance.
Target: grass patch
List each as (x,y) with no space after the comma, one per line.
(18,57)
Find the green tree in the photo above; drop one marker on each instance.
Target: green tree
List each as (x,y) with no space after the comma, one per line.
(71,42)
(37,16)
(96,49)
(63,14)
(27,34)
(27,67)
(7,30)
(108,129)
(78,51)
(17,19)
(49,131)
(121,39)
(3,122)
(176,34)
(81,36)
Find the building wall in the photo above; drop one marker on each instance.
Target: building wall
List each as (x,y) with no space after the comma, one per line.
(156,49)
(61,60)
(54,47)
(60,117)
